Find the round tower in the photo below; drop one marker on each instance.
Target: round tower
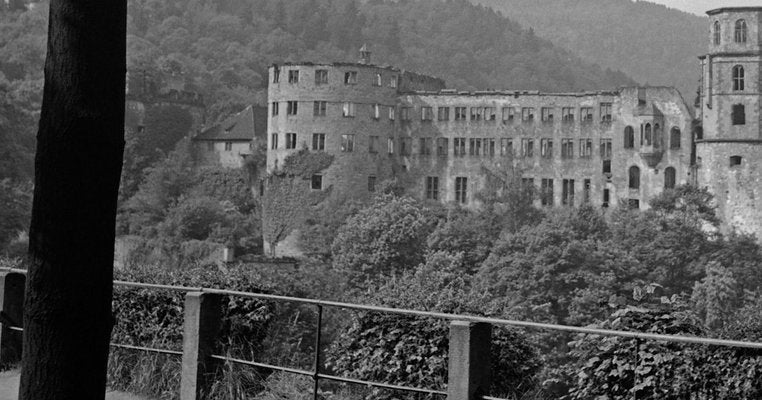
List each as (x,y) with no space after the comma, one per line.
(729,141)
(346,110)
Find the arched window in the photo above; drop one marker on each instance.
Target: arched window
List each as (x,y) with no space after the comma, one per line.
(717,32)
(634,177)
(648,135)
(669,178)
(738,77)
(629,137)
(740,33)
(674,138)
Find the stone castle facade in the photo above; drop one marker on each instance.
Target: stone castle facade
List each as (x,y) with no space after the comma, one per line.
(605,148)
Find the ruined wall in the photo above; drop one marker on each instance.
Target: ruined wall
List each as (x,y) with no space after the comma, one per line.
(555,165)
(350,169)
(737,188)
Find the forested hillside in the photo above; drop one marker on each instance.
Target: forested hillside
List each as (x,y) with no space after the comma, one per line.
(226,45)
(649,42)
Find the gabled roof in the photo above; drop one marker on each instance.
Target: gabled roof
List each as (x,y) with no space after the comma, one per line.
(238,127)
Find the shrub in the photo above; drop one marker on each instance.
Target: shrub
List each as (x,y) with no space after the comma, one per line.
(154,318)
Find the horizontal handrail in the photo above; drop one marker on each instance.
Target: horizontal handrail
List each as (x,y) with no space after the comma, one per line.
(147,349)
(451,317)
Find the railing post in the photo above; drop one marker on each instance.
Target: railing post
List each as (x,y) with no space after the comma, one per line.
(469,365)
(12,308)
(203,314)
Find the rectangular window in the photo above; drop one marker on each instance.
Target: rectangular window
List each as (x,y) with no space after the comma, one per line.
(292,107)
(546,148)
(317,182)
(442,146)
(318,141)
(347,143)
(318,108)
(489,113)
(567,196)
(547,114)
(291,140)
(377,81)
(605,198)
(607,167)
(527,148)
(567,114)
(443,113)
(391,113)
(461,189)
(432,188)
(586,148)
(276,74)
(460,113)
(427,114)
(506,147)
(477,113)
(739,114)
(489,147)
(459,146)
(586,114)
(405,146)
(375,111)
(527,114)
(405,113)
(373,144)
(390,145)
(228,146)
(276,108)
(321,76)
(371,183)
(586,193)
(567,148)
(293,76)
(274,141)
(509,114)
(350,77)
(474,147)
(605,112)
(348,110)
(393,81)
(425,146)
(633,204)
(546,194)
(606,149)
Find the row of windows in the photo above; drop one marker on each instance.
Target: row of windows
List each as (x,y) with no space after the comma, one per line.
(322,75)
(739,33)
(461,146)
(651,136)
(509,114)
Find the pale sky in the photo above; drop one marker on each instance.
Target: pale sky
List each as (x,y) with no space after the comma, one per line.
(700,7)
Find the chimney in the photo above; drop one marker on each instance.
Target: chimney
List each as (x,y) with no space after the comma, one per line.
(364,54)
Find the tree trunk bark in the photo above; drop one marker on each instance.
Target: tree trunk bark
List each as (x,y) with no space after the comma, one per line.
(67,309)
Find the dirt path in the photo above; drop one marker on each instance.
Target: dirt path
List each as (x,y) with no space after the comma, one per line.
(9,388)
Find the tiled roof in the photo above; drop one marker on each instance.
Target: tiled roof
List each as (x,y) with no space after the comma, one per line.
(237,127)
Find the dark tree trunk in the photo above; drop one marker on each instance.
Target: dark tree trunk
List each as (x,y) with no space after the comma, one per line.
(67,309)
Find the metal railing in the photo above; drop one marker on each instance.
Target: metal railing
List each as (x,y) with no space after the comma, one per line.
(465,340)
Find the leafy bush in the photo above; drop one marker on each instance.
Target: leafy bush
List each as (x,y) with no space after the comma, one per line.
(413,351)
(154,318)
(384,238)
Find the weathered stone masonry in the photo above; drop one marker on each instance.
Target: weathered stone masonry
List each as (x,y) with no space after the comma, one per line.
(620,146)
